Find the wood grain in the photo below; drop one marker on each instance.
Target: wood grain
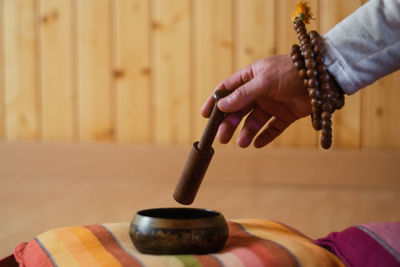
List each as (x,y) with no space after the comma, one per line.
(138,71)
(212,52)
(56,69)
(347,121)
(170,24)
(255,24)
(381,114)
(94,62)
(20,65)
(300,133)
(132,71)
(2,73)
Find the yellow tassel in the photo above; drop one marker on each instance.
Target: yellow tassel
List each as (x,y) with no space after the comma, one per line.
(302,12)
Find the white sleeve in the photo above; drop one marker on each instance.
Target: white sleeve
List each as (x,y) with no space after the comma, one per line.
(365,46)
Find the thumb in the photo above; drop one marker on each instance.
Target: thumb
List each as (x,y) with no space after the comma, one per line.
(241,97)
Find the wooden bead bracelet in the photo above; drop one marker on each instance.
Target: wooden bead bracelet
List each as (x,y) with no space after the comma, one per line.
(326,96)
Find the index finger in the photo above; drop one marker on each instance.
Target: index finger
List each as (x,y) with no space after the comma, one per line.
(237,79)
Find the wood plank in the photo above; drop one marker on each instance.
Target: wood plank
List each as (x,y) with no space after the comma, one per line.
(94,61)
(20,65)
(212,52)
(347,121)
(255,39)
(56,69)
(254,35)
(171,64)
(132,71)
(300,133)
(381,114)
(2,73)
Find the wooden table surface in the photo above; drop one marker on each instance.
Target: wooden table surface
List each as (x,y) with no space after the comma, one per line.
(44,186)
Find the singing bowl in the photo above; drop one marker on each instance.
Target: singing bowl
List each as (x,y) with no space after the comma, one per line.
(178,231)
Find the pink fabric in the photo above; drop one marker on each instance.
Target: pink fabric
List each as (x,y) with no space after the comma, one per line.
(388,232)
(357,246)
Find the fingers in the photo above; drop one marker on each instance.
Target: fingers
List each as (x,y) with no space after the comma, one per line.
(235,80)
(230,124)
(243,96)
(274,128)
(228,127)
(253,124)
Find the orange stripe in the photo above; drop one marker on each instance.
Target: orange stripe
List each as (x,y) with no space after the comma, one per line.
(307,253)
(109,243)
(76,247)
(93,246)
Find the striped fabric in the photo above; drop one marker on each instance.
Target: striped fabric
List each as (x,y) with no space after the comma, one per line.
(366,245)
(252,242)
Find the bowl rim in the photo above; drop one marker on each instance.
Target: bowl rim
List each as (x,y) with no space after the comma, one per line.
(214,220)
(204,213)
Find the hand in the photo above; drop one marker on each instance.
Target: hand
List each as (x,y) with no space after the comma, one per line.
(269,91)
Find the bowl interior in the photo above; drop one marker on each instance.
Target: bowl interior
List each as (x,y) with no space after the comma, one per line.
(179,213)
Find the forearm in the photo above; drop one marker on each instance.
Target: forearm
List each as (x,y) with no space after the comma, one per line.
(365,46)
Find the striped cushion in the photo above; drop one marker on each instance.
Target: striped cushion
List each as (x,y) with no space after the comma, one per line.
(252,242)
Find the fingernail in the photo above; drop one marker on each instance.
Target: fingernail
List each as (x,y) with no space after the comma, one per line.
(224,103)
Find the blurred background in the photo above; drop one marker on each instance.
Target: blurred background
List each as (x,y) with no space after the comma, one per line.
(100,101)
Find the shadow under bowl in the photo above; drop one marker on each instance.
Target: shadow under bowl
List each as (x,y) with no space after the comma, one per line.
(178,231)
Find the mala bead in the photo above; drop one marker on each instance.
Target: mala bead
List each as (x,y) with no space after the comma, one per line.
(326,123)
(305,83)
(327,96)
(326,115)
(326,131)
(314,93)
(321,68)
(316,124)
(310,63)
(303,73)
(299,64)
(318,49)
(312,73)
(313,34)
(296,57)
(309,54)
(325,87)
(315,42)
(315,102)
(320,59)
(327,107)
(312,83)
(326,142)
(316,111)
(294,49)
(325,77)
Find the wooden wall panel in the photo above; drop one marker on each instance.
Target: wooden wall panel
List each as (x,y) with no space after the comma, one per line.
(56,69)
(255,27)
(171,67)
(139,70)
(212,52)
(300,133)
(132,70)
(94,66)
(347,121)
(20,65)
(2,70)
(381,113)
